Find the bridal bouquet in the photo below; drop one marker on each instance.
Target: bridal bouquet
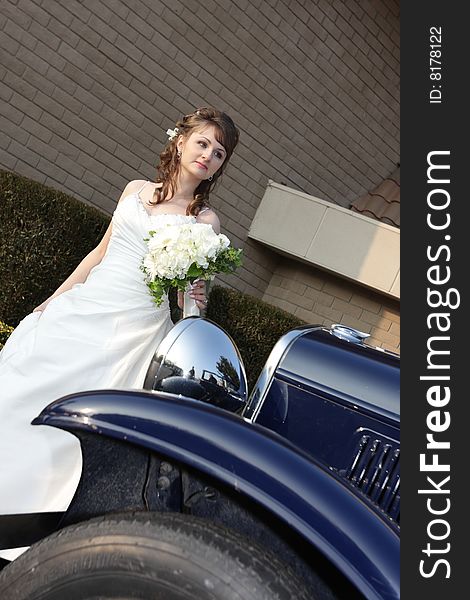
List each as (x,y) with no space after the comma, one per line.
(179,254)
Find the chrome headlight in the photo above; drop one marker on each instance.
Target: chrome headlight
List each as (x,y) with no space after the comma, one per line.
(198,359)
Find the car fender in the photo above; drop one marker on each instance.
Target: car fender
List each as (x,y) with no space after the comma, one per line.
(253,461)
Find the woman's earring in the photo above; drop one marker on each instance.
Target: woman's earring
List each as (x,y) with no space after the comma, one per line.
(210,178)
(178,154)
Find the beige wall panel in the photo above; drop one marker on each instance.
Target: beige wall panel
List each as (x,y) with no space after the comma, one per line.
(329,236)
(396,286)
(286,221)
(358,248)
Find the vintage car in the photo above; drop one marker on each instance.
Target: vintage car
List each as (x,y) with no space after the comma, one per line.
(193,489)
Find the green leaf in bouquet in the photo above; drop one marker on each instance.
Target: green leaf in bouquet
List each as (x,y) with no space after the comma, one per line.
(225,260)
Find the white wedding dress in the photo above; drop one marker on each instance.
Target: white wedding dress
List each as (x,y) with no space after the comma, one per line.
(99,334)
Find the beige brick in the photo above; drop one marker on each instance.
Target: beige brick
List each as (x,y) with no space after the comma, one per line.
(355,323)
(272,289)
(377,320)
(307,275)
(284,268)
(306,315)
(327,312)
(395,329)
(269,298)
(277,292)
(366,303)
(302,301)
(320,297)
(374,341)
(339,290)
(247,277)
(276,280)
(346,308)
(391,314)
(386,337)
(313,280)
(293,286)
(391,348)
(287,306)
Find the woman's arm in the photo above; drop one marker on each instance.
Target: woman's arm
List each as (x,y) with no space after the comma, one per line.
(93,258)
(80,274)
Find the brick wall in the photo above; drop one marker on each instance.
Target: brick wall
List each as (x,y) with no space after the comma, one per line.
(88,89)
(323,299)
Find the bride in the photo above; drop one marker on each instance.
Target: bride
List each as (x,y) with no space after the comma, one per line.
(100,328)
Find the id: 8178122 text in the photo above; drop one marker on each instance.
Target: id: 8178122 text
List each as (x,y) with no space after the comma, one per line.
(435,64)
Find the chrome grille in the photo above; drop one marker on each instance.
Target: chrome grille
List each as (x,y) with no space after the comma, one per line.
(375,470)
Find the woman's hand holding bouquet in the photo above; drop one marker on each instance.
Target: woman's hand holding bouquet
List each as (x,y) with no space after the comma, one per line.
(179,254)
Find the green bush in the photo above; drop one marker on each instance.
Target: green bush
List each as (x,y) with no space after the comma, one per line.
(254,325)
(5,331)
(44,234)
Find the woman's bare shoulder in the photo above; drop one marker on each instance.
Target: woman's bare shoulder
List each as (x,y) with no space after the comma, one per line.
(131,187)
(208,215)
(136,185)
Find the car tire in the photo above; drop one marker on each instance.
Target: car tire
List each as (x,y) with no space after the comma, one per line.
(148,556)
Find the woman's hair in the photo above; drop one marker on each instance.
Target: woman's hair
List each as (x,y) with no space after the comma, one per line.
(169,166)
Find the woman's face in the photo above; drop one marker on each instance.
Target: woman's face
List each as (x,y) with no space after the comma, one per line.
(201,154)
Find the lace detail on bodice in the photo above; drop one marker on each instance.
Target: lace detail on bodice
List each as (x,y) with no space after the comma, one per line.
(167,217)
(142,206)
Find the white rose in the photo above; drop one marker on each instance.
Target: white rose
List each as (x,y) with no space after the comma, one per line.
(174,248)
(224,241)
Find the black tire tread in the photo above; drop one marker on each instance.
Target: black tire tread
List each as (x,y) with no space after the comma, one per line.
(244,566)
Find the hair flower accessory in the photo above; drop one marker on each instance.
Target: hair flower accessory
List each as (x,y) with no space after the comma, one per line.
(172,133)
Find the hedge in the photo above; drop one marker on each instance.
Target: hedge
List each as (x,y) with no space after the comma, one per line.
(5,331)
(44,234)
(254,325)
